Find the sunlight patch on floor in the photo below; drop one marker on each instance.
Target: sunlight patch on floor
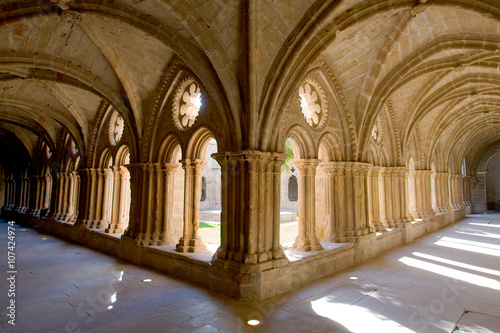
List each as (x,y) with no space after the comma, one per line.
(461,244)
(355,318)
(475,279)
(457,263)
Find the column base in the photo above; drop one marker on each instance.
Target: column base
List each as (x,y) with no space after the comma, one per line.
(306,244)
(379,226)
(193,245)
(114,229)
(99,224)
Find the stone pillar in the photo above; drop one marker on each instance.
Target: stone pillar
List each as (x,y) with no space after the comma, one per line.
(84,197)
(439,186)
(386,196)
(420,198)
(41,199)
(114,225)
(455,183)
(61,195)
(349,192)
(466,185)
(191,240)
(307,240)
(250,218)
(66,188)
(75,191)
(48,192)
(394,209)
(92,186)
(106,200)
(138,189)
(374,197)
(163,229)
(151,215)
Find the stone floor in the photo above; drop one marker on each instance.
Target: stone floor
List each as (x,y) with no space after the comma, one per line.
(427,286)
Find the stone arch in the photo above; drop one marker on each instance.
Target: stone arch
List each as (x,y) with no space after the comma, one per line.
(118,192)
(198,143)
(329,148)
(106,159)
(194,163)
(302,142)
(122,156)
(170,149)
(385,159)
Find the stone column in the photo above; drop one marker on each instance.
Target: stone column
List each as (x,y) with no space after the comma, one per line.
(43,189)
(349,192)
(394,210)
(114,225)
(250,217)
(151,214)
(191,240)
(466,185)
(163,233)
(48,192)
(419,188)
(66,196)
(75,192)
(306,171)
(106,199)
(92,196)
(84,197)
(440,192)
(386,196)
(455,183)
(138,190)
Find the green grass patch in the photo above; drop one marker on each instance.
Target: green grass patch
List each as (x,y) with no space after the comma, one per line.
(210,233)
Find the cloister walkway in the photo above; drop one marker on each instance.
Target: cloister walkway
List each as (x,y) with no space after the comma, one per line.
(444,278)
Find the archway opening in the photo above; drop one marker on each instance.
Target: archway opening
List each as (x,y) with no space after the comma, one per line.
(493,183)
(289,199)
(210,199)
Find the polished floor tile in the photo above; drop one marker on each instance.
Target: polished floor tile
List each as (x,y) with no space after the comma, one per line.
(428,286)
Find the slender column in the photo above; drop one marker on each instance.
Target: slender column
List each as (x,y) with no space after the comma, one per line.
(75,191)
(374,199)
(386,196)
(151,215)
(48,193)
(37,194)
(56,193)
(167,206)
(83,198)
(124,197)
(394,210)
(191,240)
(420,195)
(114,226)
(467,194)
(349,192)
(106,203)
(43,190)
(66,196)
(403,194)
(92,196)
(250,218)
(307,240)
(455,183)
(137,189)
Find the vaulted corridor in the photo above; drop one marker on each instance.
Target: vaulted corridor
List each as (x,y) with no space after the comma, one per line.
(442,278)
